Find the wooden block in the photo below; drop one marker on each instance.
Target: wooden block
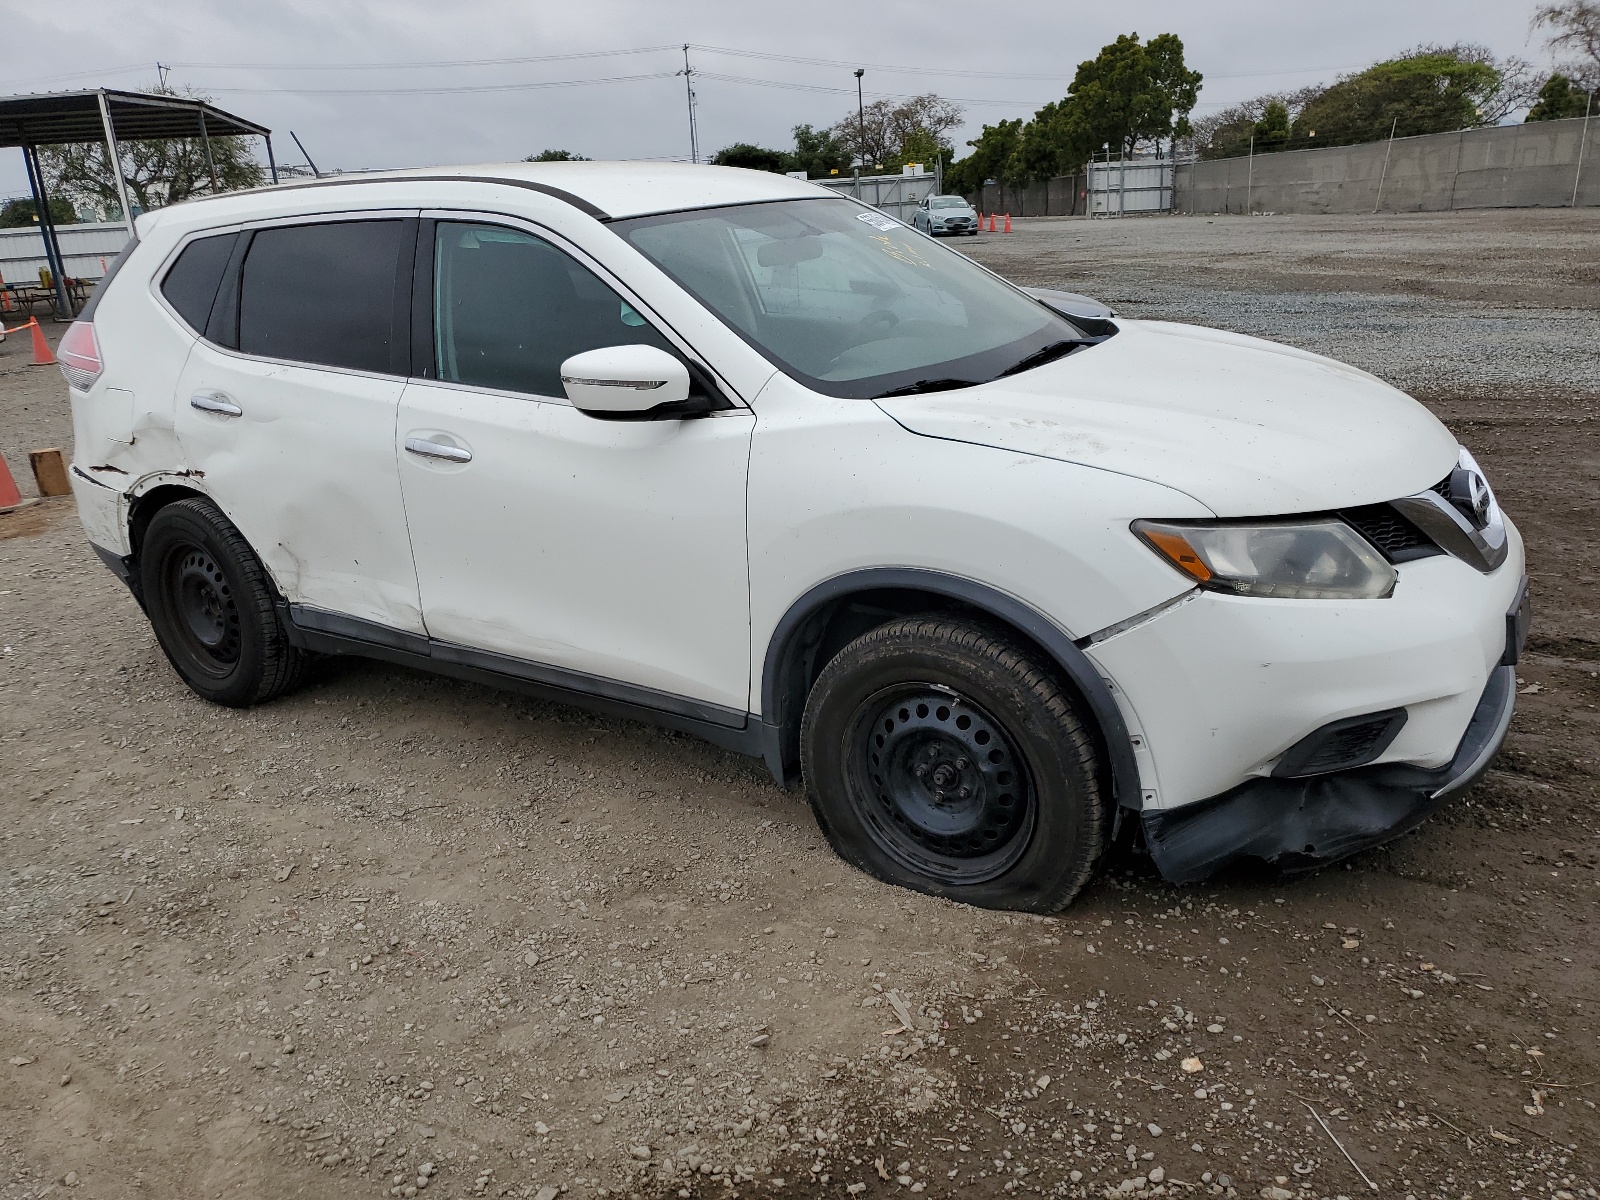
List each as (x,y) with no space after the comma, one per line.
(50,472)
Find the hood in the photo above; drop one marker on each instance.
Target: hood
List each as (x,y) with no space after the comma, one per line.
(1247,427)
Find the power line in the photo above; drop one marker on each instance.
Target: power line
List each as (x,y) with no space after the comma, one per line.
(436,91)
(835,62)
(430,63)
(844,91)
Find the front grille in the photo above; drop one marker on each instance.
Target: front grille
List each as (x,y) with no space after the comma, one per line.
(1391,533)
(1443,486)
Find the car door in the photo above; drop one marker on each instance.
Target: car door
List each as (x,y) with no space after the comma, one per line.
(601,554)
(286,412)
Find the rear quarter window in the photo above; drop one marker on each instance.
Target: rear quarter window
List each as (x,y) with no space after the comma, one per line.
(191,284)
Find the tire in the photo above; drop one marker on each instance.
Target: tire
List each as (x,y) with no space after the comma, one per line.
(940,757)
(211,604)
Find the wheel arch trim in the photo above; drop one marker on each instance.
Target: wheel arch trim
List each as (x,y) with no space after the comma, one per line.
(782,646)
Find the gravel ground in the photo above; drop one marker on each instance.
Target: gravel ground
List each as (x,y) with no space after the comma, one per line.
(1471,301)
(397,934)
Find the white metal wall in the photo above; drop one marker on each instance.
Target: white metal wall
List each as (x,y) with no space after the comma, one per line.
(1123,188)
(897,195)
(86,250)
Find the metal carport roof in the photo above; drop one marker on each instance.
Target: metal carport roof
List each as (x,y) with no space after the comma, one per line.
(110,116)
(55,118)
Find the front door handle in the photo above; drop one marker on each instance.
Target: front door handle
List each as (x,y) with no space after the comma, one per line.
(215,402)
(423,448)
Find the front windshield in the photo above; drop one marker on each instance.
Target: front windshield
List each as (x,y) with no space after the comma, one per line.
(848,301)
(947,202)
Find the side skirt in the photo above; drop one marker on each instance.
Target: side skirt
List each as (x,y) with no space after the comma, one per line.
(331,633)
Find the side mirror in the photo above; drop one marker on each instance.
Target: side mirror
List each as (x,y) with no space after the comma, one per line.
(623,382)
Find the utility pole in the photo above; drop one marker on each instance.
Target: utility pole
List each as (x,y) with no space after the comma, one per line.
(688,87)
(1384,174)
(861,121)
(161,71)
(1583,140)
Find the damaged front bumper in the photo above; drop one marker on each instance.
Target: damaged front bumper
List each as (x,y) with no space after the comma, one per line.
(1300,824)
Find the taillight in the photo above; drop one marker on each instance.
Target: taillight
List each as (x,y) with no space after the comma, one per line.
(79,355)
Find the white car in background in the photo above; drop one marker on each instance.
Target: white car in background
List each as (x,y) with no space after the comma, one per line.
(946,214)
(995,574)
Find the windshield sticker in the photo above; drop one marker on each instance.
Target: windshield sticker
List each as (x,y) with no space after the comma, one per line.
(879,221)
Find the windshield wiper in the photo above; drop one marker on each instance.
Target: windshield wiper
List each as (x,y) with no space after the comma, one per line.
(1046,354)
(926,385)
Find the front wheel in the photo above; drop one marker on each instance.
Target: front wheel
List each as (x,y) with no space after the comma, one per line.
(211,605)
(938,755)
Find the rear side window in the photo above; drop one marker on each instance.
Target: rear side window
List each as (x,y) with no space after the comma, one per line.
(509,308)
(322,294)
(191,285)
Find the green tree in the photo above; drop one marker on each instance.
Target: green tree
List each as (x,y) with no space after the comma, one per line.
(1272,130)
(819,152)
(753,157)
(991,158)
(1427,91)
(158,172)
(1131,94)
(877,135)
(1558,98)
(1052,143)
(555,156)
(22,212)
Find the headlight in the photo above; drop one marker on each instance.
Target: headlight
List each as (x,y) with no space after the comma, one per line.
(1292,560)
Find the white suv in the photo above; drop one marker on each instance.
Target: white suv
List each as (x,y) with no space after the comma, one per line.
(995,572)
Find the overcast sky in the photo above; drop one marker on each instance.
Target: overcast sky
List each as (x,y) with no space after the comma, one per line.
(312,66)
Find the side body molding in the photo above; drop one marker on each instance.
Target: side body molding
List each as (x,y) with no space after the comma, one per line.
(783,680)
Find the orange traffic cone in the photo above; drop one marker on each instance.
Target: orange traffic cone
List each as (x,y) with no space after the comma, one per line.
(5,295)
(41,348)
(1008,222)
(991,222)
(10,497)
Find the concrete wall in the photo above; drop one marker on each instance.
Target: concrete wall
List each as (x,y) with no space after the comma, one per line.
(1507,166)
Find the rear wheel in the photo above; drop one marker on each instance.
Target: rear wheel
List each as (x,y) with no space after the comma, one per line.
(939,756)
(211,605)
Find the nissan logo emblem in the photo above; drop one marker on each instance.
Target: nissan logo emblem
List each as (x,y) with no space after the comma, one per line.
(1469,492)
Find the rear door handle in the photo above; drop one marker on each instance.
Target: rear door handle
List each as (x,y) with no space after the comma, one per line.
(423,448)
(215,402)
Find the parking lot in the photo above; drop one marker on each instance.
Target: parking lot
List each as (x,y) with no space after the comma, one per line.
(399,934)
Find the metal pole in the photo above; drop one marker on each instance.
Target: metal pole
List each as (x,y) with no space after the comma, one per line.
(1250,179)
(861,121)
(316,174)
(1583,140)
(1385,173)
(688,91)
(272,163)
(47,231)
(1455,174)
(205,140)
(116,161)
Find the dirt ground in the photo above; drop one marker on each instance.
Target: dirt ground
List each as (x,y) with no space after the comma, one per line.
(397,934)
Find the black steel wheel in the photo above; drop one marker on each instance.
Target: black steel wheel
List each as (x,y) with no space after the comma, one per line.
(939,755)
(211,605)
(938,784)
(208,617)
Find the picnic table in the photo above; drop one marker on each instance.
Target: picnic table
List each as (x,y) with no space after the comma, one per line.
(24,296)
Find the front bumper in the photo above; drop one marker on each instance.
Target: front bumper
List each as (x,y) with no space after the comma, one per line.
(1218,694)
(1299,824)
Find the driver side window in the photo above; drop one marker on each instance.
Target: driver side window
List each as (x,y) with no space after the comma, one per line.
(509,308)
